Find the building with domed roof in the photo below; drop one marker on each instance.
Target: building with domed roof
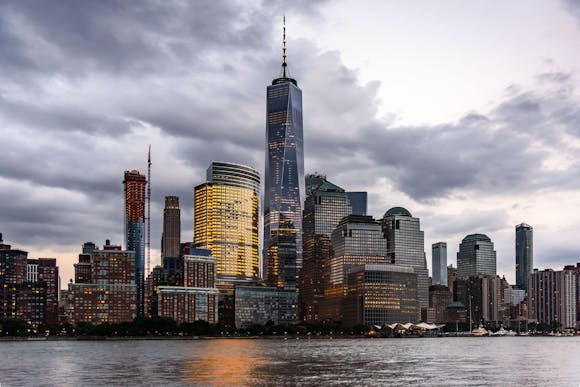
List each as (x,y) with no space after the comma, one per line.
(476,256)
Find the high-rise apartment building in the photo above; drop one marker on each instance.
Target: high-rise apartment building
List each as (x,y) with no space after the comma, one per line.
(324,207)
(283,180)
(476,256)
(108,295)
(226,221)
(171,237)
(552,297)
(135,184)
(484,294)
(406,247)
(524,254)
(198,298)
(439,263)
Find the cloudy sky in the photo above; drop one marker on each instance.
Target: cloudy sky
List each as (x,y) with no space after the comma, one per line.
(465,113)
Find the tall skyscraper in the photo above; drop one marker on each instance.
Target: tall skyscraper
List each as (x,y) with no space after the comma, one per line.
(226,220)
(135,184)
(476,256)
(284,180)
(524,254)
(358,202)
(439,263)
(171,237)
(406,246)
(324,207)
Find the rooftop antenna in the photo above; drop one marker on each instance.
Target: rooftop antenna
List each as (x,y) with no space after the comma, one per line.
(284,47)
(148,243)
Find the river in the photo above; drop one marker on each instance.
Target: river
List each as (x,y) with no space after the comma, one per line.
(451,361)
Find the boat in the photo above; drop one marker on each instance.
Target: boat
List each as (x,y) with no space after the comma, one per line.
(479,331)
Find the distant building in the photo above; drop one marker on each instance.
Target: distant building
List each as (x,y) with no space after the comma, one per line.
(262,304)
(576,271)
(524,254)
(484,294)
(439,263)
(358,202)
(109,295)
(357,240)
(283,185)
(186,305)
(45,271)
(439,298)
(379,294)
(456,313)
(476,256)
(135,184)
(171,236)
(552,297)
(451,278)
(324,207)
(226,220)
(406,246)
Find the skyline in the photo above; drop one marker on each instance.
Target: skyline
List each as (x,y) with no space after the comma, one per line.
(103,103)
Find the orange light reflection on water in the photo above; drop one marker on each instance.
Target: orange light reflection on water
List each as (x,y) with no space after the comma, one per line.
(229,362)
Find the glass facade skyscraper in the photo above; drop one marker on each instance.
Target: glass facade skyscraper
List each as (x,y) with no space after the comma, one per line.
(439,263)
(324,207)
(283,182)
(524,254)
(406,247)
(135,184)
(226,219)
(476,256)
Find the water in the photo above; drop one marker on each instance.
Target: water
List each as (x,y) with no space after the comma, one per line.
(477,361)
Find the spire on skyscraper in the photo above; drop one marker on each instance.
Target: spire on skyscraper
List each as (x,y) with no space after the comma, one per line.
(284,47)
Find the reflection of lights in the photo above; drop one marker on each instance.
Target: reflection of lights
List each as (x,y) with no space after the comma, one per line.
(224,362)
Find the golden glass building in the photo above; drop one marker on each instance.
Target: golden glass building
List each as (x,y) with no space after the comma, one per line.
(226,220)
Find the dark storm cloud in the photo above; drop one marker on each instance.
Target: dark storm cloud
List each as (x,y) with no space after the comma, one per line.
(86,86)
(574,7)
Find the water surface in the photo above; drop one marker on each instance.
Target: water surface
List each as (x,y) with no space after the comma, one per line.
(481,361)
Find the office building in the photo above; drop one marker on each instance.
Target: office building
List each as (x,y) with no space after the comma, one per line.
(406,246)
(439,263)
(552,298)
(357,240)
(171,237)
(262,304)
(226,221)
(45,271)
(358,202)
(476,256)
(439,298)
(524,254)
(379,294)
(324,207)
(451,278)
(110,294)
(135,184)
(283,180)
(484,294)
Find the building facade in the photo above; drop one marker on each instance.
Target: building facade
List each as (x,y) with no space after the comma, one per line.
(171,237)
(439,298)
(406,246)
(483,295)
(552,298)
(226,221)
(357,240)
(110,294)
(524,254)
(324,207)
(381,294)
(283,181)
(135,185)
(476,256)
(439,263)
